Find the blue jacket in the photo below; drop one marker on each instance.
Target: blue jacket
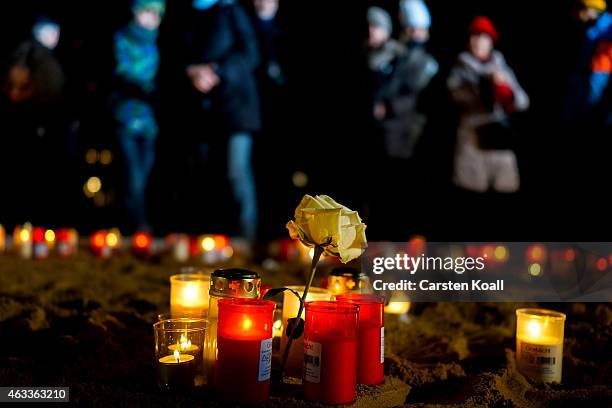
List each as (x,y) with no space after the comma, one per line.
(599,48)
(590,80)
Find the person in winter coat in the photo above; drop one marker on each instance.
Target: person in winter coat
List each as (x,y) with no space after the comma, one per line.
(486,92)
(592,77)
(137,62)
(33,125)
(394,87)
(223,57)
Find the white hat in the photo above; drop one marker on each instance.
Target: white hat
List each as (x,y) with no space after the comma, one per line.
(414,14)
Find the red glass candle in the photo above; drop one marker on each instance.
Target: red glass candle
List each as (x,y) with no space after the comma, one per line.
(41,249)
(141,243)
(98,244)
(67,241)
(371,344)
(330,352)
(244,350)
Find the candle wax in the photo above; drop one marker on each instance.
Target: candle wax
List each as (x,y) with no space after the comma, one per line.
(175,374)
(330,368)
(240,374)
(370,361)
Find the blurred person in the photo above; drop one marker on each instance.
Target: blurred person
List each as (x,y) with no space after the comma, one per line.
(136,66)
(223,57)
(272,85)
(592,74)
(486,92)
(33,124)
(405,123)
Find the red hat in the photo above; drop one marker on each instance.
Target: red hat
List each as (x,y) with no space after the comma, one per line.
(483,25)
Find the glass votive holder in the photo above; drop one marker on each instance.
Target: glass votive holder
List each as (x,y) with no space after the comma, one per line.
(291,306)
(330,352)
(371,332)
(539,344)
(225,283)
(244,345)
(179,353)
(189,295)
(348,280)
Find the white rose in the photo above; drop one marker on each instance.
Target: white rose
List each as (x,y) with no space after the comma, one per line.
(321,221)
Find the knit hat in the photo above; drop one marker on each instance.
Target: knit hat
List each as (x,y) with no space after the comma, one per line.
(414,14)
(380,18)
(594,4)
(483,25)
(159,5)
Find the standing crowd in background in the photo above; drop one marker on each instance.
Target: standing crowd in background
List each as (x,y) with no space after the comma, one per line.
(231,72)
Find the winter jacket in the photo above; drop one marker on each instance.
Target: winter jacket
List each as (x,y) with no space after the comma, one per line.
(481,103)
(589,82)
(399,75)
(223,36)
(136,65)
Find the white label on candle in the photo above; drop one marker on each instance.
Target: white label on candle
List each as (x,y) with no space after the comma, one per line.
(540,362)
(265,360)
(312,361)
(382,345)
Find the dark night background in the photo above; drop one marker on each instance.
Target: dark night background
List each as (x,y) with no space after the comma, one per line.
(326,131)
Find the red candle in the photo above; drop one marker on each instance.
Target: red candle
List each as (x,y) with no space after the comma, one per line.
(141,243)
(67,241)
(98,244)
(330,352)
(371,344)
(41,249)
(244,350)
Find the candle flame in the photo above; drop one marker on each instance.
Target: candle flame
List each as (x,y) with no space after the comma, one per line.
(190,292)
(208,244)
(50,235)
(247,324)
(24,235)
(112,239)
(534,328)
(397,307)
(184,343)
(177,356)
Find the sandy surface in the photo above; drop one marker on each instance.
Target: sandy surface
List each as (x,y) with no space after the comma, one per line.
(86,323)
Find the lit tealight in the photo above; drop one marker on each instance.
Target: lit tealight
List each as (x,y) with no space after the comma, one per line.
(24,235)
(93,185)
(113,237)
(501,253)
(535,269)
(106,157)
(50,236)
(397,307)
(208,243)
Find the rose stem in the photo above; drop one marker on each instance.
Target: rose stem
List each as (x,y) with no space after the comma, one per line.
(318,251)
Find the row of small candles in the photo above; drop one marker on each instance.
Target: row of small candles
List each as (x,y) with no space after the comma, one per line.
(39,243)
